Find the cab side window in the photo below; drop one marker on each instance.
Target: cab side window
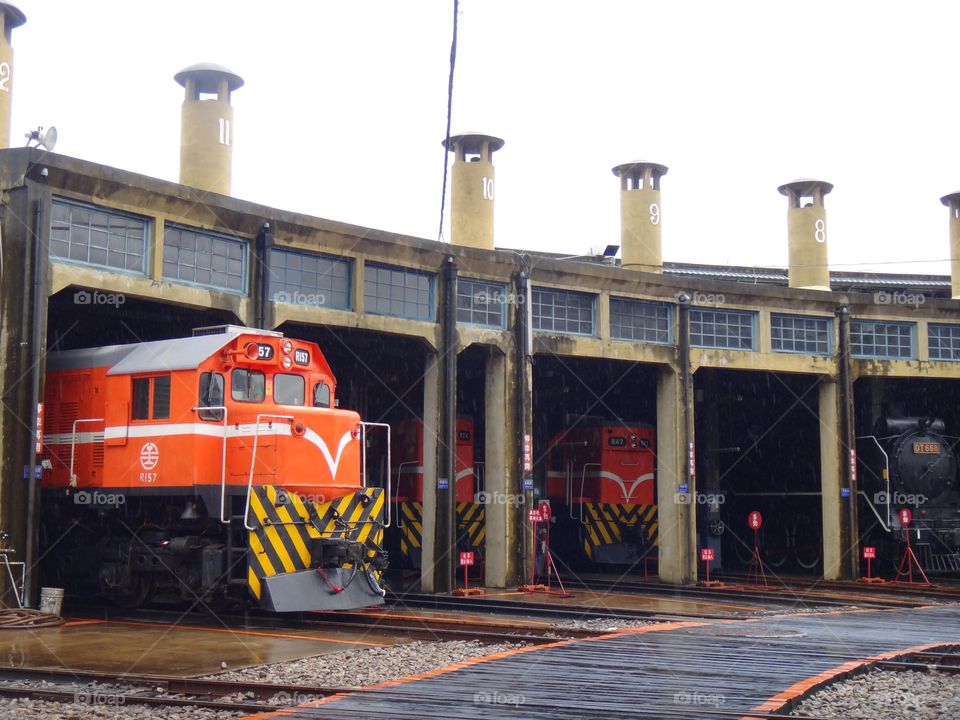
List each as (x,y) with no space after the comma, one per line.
(288,389)
(211,395)
(248,385)
(321,395)
(157,388)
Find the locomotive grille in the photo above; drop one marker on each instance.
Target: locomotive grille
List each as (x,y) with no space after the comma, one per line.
(69,412)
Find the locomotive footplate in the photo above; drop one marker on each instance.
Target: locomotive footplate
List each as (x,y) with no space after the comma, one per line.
(306,555)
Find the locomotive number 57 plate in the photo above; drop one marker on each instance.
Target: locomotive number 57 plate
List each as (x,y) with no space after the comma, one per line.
(926,448)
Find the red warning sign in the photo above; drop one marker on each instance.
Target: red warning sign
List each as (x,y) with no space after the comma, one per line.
(466,559)
(534,515)
(706,554)
(906,517)
(755,520)
(869,553)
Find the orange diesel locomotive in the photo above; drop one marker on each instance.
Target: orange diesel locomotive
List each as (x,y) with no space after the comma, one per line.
(209,467)
(408,498)
(601,482)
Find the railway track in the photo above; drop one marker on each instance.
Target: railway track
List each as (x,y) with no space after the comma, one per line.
(385,622)
(102,688)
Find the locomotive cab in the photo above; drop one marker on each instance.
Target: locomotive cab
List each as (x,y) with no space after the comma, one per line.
(216,449)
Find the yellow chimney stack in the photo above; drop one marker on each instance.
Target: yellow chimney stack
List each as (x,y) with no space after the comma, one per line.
(471,211)
(952,201)
(11,17)
(640,215)
(807,233)
(206,126)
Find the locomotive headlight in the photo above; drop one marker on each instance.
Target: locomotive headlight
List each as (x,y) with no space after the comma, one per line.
(287,362)
(287,347)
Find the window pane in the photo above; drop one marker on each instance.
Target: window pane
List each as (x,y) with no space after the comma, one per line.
(211,395)
(640,320)
(800,334)
(730,329)
(399,292)
(944,341)
(161,397)
(880,339)
(288,389)
(316,280)
(141,399)
(481,303)
(201,258)
(247,385)
(562,311)
(98,236)
(321,395)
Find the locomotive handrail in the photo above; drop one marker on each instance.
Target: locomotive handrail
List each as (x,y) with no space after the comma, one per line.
(253,460)
(870,504)
(583,482)
(364,426)
(223,459)
(568,472)
(886,474)
(73,445)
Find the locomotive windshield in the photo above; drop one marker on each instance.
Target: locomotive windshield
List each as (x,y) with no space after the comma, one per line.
(288,389)
(248,385)
(321,395)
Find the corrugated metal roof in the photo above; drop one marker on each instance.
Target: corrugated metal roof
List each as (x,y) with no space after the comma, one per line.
(156,356)
(778,276)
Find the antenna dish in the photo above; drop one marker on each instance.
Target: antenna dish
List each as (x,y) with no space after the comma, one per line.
(47,139)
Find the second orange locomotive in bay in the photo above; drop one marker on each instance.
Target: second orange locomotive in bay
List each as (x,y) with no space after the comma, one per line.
(207,468)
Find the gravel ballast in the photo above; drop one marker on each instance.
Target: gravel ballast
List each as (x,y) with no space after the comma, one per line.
(23,708)
(888,695)
(367,666)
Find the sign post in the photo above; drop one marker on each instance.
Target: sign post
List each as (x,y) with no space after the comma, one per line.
(909,558)
(467,559)
(870,554)
(755,522)
(706,554)
(536,515)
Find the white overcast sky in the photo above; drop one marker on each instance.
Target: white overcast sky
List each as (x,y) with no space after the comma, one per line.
(344,109)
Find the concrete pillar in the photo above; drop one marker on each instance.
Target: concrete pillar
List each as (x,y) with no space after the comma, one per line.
(807,233)
(11,17)
(640,215)
(501,473)
(431,427)
(831,479)
(675,519)
(206,126)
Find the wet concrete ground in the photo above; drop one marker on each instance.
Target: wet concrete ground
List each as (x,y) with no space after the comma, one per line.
(135,647)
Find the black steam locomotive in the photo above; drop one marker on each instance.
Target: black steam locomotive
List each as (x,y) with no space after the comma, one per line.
(911,463)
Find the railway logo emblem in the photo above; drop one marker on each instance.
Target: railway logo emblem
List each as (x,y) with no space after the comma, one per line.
(149,456)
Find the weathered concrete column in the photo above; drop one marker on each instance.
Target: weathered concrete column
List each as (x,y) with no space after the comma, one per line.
(501,467)
(431,426)
(676,520)
(831,477)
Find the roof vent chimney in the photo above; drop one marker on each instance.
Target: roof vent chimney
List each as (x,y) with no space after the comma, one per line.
(471,211)
(206,126)
(640,215)
(11,17)
(952,201)
(807,233)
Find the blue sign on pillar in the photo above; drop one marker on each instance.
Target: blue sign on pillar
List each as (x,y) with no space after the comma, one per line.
(443,483)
